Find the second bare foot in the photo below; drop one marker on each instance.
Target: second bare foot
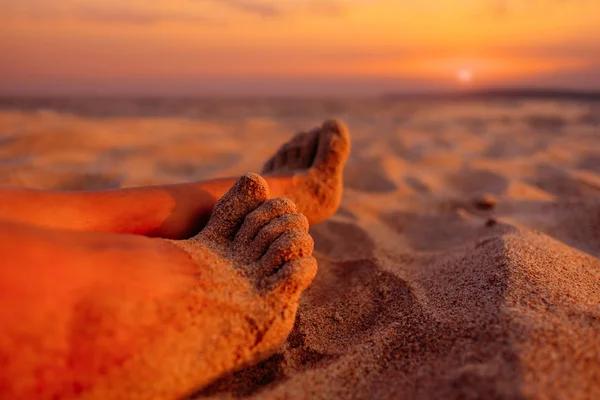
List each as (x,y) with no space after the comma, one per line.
(314,161)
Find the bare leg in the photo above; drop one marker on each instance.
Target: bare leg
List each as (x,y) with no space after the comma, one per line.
(308,170)
(104,316)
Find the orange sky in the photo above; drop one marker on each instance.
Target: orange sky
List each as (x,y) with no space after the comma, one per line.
(294,46)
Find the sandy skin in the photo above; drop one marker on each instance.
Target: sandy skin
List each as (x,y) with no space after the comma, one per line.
(161,318)
(227,298)
(311,165)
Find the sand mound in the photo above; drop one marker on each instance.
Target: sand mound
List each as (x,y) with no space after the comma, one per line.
(504,318)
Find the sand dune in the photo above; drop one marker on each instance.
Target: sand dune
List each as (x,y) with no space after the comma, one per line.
(463,262)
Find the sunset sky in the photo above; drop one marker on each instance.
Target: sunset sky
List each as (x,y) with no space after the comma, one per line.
(196,47)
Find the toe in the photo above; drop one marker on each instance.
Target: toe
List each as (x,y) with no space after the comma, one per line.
(269,165)
(275,229)
(280,159)
(247,194)
(333,147)
(309,148)
(294,152)
(287,247)
(256,220)
(293,278)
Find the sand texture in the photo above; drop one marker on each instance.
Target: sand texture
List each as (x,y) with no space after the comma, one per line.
(462,263)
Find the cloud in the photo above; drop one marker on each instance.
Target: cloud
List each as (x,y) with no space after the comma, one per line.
(331,9)
(582,78)
(143,12)
(586,51)
(260,8)
(138,16)
(107,11)
(505,8)
(271,8)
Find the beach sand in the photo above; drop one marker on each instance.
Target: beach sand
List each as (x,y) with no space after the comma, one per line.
(463,262)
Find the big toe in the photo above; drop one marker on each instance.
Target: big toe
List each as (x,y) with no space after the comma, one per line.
(333,147)
(245,196)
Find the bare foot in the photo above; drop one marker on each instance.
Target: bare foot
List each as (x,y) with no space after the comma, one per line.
(253,262)
(315,160)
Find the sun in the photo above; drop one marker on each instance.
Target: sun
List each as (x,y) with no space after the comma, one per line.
(464,75)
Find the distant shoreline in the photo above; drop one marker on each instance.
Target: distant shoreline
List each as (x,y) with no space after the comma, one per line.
(489,93)
(501,94)
(221,107)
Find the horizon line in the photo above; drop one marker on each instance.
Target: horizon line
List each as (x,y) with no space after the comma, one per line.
(433,94)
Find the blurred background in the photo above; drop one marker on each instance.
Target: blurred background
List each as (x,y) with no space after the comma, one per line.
(454,79)
(295,47)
